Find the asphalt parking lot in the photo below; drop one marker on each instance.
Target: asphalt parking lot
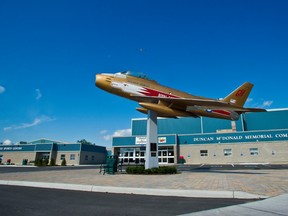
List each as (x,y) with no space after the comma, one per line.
(30,201)
(189,192)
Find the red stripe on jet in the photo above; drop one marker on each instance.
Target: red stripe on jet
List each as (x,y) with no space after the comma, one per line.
(222,112)
(155,93)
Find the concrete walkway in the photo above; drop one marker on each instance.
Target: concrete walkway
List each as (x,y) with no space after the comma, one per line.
(265,183)
(272,206)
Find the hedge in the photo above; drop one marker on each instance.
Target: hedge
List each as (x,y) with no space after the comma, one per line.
(152,171)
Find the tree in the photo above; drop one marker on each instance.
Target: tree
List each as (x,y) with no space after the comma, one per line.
(63,163)
(52,162)
(84,141)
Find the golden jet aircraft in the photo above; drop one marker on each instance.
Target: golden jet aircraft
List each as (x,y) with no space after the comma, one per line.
(169,102)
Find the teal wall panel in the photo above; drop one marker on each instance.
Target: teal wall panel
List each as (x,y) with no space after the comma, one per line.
(43,147)
(238,137)
(179,126)
(93,148)
(4,148)
(139,127)
(131,141)
(169,139)
(267,120)
(211,125)
(67,147)
(168,126)
(270,120)
(123,141)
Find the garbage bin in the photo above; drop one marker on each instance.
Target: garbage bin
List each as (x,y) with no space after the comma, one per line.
(111,164)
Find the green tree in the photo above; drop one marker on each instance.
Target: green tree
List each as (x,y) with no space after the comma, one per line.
(52,162)
(84,141)
(63,163)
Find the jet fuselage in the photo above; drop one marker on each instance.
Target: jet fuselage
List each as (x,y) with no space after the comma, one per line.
(169,102)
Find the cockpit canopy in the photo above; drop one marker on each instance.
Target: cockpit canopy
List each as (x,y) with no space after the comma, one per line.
(134,74)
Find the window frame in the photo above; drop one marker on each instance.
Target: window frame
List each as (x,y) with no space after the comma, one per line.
(204,153)
(254,151)
(227,152)
(72,157)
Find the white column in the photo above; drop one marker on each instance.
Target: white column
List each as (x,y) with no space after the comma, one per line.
(151,159)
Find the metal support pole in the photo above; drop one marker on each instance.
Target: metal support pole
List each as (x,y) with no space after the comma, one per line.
(152,141)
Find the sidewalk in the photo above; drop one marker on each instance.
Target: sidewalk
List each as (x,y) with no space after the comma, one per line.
(261,183)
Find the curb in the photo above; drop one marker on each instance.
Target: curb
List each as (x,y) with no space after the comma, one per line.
(137,191)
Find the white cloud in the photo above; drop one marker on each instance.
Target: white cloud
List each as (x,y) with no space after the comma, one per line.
(103,132)
(38,94)
(260,104)
(249,100)
(117,133)
(7,142)
(2,89)
(107,137)
(266,104)
(122,133)
(36,121)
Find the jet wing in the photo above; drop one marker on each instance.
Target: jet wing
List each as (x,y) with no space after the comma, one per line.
(196,103)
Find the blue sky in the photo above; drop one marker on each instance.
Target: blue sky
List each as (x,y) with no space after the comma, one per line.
(51,50)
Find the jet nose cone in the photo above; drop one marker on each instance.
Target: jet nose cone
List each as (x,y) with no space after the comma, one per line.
(99,80)
(102,81)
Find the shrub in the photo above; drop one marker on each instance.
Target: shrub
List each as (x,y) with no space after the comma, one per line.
(167,170)
(52,162)
(152,171)
(45,162)
(63,163)
(135,170)
(38,162)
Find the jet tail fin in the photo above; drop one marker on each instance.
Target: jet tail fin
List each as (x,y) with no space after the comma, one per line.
(239,96)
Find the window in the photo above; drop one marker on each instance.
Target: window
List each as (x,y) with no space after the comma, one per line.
(227,152)
(93,157)
(254,151)
(153,147)
(203,153)
(62,157)
(72,156)
(86,157)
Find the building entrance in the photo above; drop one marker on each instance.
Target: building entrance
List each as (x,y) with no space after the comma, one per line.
(43,155)
(166,155)
(137,155)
